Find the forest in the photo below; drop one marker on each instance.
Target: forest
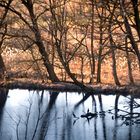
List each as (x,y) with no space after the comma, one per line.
(81,42)
(69,70)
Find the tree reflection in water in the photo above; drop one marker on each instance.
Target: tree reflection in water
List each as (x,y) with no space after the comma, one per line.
(3,98)
(51,115)
(46,119)
(94,104)
(102,116)
(116,118)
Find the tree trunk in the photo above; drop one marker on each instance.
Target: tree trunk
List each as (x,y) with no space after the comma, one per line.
(136,16)
(114,69)
(112,47)
(82,68)
(39,42)
(99,64)
(66,66)
(2,65)
(100,51)
(58,43)
(92,46)
(128,28)
(132,40)
(129,63)
(2,68)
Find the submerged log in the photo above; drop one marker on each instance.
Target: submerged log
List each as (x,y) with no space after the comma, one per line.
(89,115)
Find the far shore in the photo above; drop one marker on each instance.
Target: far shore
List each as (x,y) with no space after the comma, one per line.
(70,87)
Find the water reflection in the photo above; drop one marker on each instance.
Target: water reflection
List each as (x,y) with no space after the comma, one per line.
(47,115)
(3,96)
(44,115)
(115,133)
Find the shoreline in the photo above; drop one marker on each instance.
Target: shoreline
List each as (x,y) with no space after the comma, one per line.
(70,87)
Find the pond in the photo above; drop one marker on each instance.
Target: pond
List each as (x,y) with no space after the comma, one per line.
(48,115)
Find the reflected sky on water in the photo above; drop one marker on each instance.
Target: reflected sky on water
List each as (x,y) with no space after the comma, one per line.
(45,115)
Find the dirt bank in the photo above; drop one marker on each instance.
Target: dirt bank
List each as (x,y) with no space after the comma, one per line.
(62,86)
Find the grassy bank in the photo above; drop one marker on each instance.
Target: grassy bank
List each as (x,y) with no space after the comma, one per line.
(70,87)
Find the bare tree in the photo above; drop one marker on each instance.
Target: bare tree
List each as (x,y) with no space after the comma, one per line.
(33,26)
(3,25)
(135,4)
(129,62)
(112,46)
(92,42)
(128,27)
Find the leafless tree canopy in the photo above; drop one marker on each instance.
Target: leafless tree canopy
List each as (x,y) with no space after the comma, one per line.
(80,41)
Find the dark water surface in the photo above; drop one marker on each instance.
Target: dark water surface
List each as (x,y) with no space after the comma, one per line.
(45,115)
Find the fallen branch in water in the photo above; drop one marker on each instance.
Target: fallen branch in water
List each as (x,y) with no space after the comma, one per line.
(89,115)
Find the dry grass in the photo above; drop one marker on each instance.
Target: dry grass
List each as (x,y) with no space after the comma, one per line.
(19,65)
